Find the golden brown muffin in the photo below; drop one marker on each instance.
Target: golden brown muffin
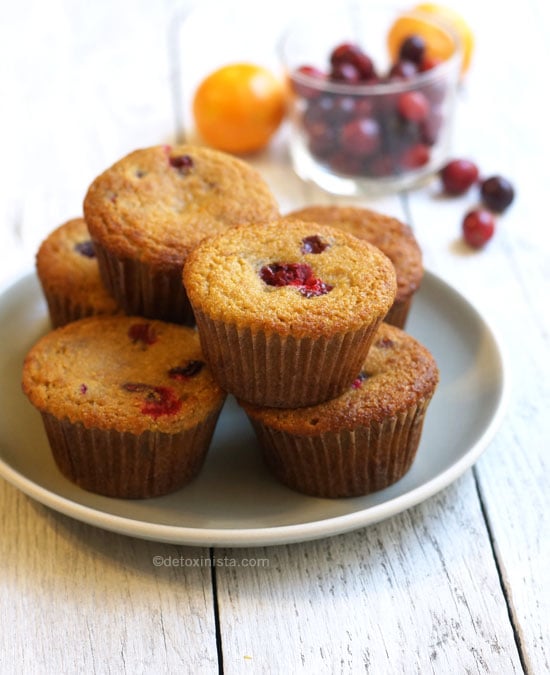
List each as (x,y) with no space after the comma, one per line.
(147,211)
(66,265)
(128,404)
(390,235)
(287,310)
(362,441)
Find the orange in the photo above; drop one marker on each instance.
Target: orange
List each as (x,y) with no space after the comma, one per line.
(238,107)
(458,23)
(439,42)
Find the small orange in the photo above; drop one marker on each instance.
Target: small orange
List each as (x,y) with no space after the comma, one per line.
(238,107)
(439,42)
(458,23)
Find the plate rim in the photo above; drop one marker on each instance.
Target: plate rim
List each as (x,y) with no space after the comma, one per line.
(276,534)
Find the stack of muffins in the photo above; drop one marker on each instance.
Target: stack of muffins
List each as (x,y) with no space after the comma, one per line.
(293,317)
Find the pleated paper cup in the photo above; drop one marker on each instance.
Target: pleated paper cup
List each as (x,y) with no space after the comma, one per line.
(282,371)
(144,290)
(346,463)
(125,465)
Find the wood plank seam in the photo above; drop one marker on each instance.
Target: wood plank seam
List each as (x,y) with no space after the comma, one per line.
(500,573)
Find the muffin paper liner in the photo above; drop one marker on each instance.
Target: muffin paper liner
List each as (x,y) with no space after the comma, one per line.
(63,310)
(398,313)
(143,290)
(126,465)
(349,463)
(282,371)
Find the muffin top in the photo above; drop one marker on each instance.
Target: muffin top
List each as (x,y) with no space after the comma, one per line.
(122,373)
(66,265)
(290,277)
(398,373)
(157,203)
(390,235)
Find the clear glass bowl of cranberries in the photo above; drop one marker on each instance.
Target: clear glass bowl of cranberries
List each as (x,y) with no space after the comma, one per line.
(362,121)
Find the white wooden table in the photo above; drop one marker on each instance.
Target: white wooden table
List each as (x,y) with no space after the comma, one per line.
(458,584)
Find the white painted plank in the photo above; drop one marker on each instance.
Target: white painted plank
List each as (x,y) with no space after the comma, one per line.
(502,128)
(74,598)
(416,594)
(86,85)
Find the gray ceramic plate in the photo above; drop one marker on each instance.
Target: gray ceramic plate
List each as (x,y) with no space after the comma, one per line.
(234,501)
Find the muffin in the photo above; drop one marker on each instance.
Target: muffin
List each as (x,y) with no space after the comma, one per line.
(390,235)
(128,405)
(286,311)
(147,211)
(362,441)
(67,269)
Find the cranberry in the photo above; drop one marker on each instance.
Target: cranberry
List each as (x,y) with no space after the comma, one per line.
(83,388)
(184,163)
(413,48)
(313,244)
(343,162)
(190,369)
(497,193)
(414,157)
(360,137)
(344,108)
(346,73)
(157,401)
(286,274)
(413,105)
(304,90)
(142,332)
(382,166)
(294,274)
(349,53)
(85,248)
(384,343)
(322,140)
(319,110)
(403,70)
(458,176)
(478,227)
(356,384)
(428,62)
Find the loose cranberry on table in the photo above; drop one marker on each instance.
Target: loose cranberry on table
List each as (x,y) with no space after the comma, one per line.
(478,227)
(497,193)
(458,176)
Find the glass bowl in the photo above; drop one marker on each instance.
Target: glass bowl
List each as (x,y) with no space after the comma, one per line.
(386,134)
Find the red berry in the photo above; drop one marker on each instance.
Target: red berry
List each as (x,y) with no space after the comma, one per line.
(413,49)
(313,244)
(478,227)
(497,193)
(305,90)
(403,69)
(415,156)
(344,72)
(458,176)
(360,137)
(428,63)
(295,274)
(349,53)
(413,106)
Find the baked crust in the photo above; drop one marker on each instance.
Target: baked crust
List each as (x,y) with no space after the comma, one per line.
(223,280)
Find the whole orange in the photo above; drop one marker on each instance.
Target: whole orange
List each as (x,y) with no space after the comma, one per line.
(238,107)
